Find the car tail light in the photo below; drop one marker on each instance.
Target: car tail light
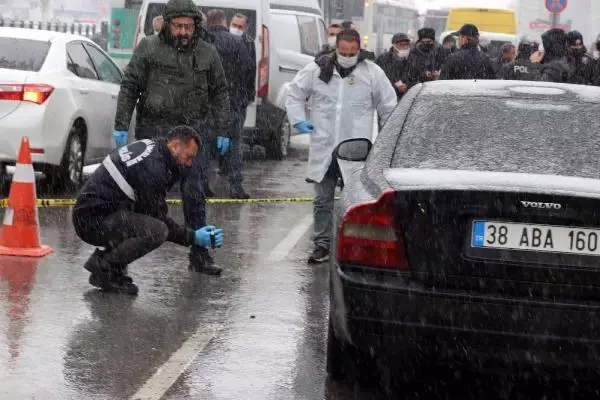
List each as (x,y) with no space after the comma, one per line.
(33,93)
(263,64)
(369,235)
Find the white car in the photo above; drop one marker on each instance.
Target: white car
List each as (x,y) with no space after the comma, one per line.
(60,90)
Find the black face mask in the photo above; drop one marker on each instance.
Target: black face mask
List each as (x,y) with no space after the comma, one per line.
(577,52)
(425,47)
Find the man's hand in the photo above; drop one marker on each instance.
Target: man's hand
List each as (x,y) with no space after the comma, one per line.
(223,145)
(120,138)
(401,86)
(304,127)
(536,57)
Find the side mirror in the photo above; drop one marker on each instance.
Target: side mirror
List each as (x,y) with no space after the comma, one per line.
(353,149)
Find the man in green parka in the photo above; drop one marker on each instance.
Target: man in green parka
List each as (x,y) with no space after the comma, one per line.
(176,78)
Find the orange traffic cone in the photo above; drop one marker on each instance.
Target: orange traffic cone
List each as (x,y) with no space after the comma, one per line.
(20,235)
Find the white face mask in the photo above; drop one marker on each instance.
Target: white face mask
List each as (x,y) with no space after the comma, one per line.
(347,62)
(402,53)
(236,31)
(331,41)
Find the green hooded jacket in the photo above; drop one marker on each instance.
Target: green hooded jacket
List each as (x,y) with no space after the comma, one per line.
(173,87)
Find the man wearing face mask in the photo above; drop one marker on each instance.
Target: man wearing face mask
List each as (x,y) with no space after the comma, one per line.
(178,79)
(329,47)
(157,24)
(239,27)
(581,64)
(424,59)
(469,62)
(394,63)
(346,90)
(123,208)
(236,63)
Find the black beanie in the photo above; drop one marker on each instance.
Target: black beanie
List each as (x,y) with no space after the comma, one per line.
(426,33)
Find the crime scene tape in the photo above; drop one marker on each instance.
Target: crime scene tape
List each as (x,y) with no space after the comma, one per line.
(175,202)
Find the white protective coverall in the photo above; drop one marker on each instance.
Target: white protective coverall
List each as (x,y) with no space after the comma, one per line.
(341,109)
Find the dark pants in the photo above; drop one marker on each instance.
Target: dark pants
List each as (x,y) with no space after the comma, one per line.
(125,235)
(232,161)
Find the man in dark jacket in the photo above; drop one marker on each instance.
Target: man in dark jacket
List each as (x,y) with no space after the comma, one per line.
(424,58)
(123,208)
(553,65)
(394,63)
(239,27)
(507,56)
(522,69)
(581,64)
(236,62)
(469,62)
(178,79)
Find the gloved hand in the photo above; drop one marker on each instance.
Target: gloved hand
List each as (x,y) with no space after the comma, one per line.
(204,235)
(223,145)
(120,138)
(304,127)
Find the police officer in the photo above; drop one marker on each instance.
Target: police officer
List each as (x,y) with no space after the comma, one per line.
(394,63)
(581,64)
(122,207)
(469,62)
(237,64)
(522,69)
(178,79)
(553,64)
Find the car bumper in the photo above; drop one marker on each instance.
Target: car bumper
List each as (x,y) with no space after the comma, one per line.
(28,121)
(395,319)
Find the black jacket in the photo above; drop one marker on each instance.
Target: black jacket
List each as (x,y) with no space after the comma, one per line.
(237,64)
(395,68)
(249,42)
(522,69)
(581,68)
(148,167)
(468,63)
(421,64)
(554,69)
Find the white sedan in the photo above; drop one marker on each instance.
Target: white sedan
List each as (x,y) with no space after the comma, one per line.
(60,90)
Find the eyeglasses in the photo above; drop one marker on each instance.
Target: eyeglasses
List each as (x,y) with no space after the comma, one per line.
(183,27)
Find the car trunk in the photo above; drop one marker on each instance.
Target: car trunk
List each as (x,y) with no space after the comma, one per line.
(11,82)
(438,211)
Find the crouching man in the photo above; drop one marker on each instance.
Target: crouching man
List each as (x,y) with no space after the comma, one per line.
(123,208)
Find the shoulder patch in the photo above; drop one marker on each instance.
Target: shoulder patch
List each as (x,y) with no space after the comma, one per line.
(136,151)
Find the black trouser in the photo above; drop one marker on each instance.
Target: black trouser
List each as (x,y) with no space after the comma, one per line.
(125,235)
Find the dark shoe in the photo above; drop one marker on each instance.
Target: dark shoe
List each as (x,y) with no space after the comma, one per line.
(203,262)
(319,255)
(114,283)
(238,193)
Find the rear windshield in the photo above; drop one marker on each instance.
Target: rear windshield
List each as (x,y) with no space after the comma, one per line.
(22,54)
(156,9)
(501,134)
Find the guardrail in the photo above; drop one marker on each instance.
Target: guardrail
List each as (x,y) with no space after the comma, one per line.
(98,33)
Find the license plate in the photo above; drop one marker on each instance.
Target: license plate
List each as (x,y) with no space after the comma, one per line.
(533,237)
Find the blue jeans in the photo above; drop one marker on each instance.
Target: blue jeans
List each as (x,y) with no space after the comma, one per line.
(323,209)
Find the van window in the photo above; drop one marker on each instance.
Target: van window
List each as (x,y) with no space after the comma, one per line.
(286,26)
(309,35)
(156,9)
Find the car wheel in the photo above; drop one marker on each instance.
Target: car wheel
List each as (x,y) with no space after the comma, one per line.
(279,145)
(69,174)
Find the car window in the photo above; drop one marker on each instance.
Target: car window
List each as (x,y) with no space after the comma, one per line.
(107,70)
(156,9)
(309,35)
(322,32)
(501,134)
(23,54)
(79,62)
(287,36)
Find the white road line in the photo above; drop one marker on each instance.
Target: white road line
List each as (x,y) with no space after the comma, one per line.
(168,373)
(162,380)
(293,237)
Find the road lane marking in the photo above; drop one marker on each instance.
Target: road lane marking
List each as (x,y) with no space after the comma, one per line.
(168,373)
(281,251)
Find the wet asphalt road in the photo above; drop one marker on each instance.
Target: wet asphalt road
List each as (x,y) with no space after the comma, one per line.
(257,332)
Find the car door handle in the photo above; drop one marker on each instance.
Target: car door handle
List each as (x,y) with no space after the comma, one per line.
(291,70)
(84,90)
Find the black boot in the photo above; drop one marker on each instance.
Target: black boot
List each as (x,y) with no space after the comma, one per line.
(201,261)
(110,278)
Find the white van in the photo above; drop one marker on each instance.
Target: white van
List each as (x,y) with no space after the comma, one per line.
(288,34)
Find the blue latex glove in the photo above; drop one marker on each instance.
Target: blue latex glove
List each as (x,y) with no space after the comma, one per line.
(223,145)
(120,138)
(203,237)
(304,127)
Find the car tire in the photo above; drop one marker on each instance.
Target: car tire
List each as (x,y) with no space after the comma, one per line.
(69,175)
(279,145)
